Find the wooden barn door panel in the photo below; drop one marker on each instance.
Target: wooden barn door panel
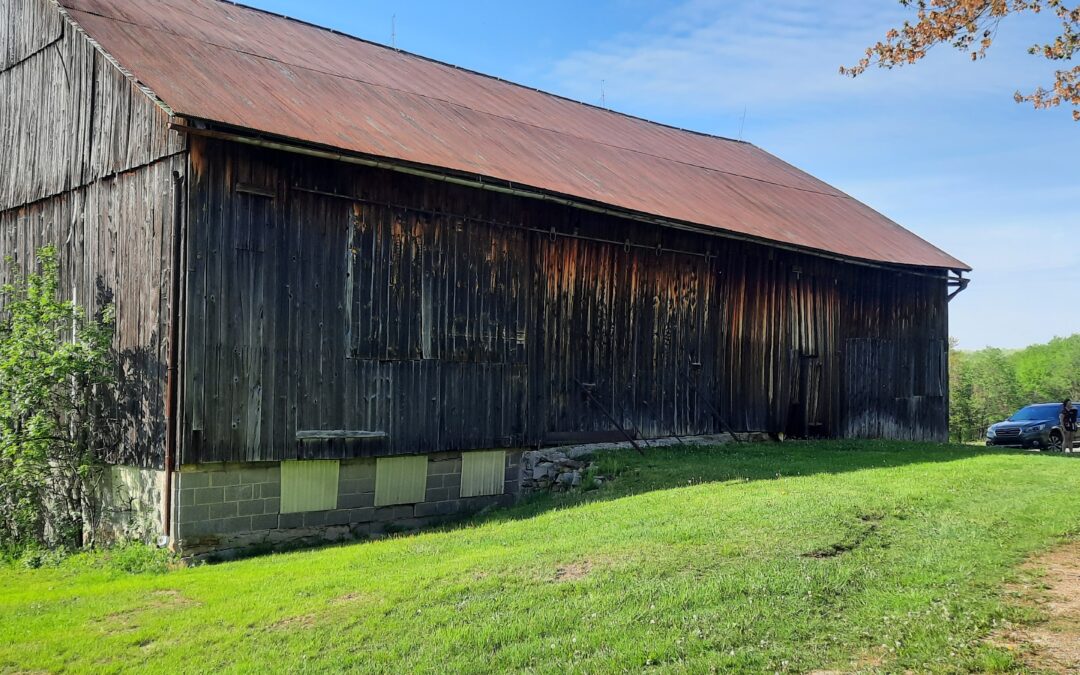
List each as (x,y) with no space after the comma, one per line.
(628,325)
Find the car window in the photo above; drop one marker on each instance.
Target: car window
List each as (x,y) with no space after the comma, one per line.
(1036,412)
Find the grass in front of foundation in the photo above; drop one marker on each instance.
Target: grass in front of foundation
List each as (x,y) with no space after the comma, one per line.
(792,557)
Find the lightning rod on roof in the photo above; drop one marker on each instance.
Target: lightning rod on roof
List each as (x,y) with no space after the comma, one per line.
(603,94)
(393,31)
(743,122)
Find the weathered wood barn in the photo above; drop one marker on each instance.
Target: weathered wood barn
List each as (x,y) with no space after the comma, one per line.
(351,283)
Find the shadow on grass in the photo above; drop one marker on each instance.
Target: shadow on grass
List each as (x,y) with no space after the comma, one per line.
(663,468)
(683,465)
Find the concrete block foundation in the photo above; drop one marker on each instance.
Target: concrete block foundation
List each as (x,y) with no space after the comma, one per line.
(221,509)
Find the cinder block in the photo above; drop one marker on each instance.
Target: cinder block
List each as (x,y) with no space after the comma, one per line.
(271,505)
(251,507)
(239,524)
(209,495)
(269,490)
(187,497)
(425,509)
(196,529)
(362,515)
(324,518)
(337,517)
(436,494)
(192,514)
(223,510)
(357,470)
(391,513)
(353,486)
(251,475)
(225,478)
(289,520)
(356,501)
(441,467)
(194,480)
(267,521)
(236,493)
(448,507)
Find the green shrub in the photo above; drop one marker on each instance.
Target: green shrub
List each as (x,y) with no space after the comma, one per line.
(55,369)
(138,558)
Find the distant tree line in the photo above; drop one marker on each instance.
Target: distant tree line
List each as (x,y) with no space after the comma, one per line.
(988,385)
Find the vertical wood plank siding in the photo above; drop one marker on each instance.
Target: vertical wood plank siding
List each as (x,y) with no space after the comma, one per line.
(68,116)
(330,296)
(87,166)
(25,29)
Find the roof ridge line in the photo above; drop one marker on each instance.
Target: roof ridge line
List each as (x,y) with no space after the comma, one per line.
(482,74)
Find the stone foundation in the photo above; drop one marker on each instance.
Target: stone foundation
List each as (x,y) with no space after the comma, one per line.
(566,467)
(131,502)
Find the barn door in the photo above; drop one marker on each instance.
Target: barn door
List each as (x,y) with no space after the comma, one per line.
(625,324)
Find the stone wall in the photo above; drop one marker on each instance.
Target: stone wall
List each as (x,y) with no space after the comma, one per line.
(221,508)
(131,502)
(566,467)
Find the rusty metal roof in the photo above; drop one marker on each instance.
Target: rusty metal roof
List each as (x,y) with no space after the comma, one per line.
(239,66)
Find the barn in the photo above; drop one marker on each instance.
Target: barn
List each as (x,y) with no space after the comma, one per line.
(352,284)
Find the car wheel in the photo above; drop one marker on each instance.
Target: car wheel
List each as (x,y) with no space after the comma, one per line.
(1055,441)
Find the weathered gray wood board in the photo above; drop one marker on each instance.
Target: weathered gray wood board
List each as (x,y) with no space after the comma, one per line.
(87,165)
(67,115)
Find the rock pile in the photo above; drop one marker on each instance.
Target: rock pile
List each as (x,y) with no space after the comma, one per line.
(553,469)
(563,468)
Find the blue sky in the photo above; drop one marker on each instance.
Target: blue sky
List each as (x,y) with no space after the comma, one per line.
(940,147)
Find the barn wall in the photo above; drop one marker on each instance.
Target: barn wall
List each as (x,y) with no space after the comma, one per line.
(325,296)
(88,166)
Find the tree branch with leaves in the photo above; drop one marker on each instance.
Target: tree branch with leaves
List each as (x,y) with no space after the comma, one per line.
(971,26)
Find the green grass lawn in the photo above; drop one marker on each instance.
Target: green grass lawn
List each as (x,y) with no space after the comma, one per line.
(792,557)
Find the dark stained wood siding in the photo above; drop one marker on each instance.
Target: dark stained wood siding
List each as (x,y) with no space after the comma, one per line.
(87,165)
(325,296)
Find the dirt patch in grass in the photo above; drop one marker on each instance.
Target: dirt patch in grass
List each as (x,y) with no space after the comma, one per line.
(1051,587)
(294,622)
(350,598)
(573,571)
(128,619)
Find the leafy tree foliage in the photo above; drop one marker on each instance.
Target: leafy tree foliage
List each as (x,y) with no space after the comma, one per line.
(970,26)
(55,368)
(987,386)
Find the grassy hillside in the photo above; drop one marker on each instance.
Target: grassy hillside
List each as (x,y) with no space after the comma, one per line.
(793,557)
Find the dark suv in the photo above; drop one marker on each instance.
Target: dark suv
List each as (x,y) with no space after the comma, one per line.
(1035,426)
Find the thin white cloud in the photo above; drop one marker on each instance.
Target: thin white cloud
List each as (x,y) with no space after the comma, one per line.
(708,56)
